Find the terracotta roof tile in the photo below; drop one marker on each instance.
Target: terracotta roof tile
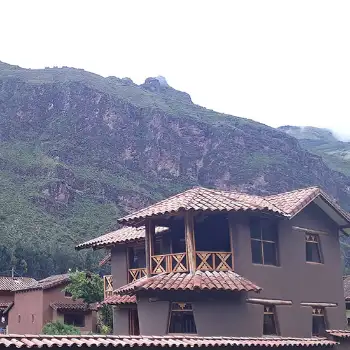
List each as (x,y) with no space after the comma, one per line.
(202,199)
(123,235)
(294,201)
(48,282)
(117,299)
(72,306)
(55,341)
(11,284)
(5,305)
(200,280)
(339,333)
(105,260)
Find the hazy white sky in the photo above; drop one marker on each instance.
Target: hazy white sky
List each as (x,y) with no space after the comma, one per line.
(277,62)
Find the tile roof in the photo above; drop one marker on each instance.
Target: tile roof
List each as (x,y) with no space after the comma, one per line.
(5,306)
(72,306)
(117,299)
(123,235)
(105,260)
(125,341)
(339,333)
(200,280)
(11,284)
(346,281)
(48,282)
(202,199)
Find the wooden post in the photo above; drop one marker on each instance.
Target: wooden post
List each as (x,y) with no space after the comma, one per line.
(149,237)
(231,227)
(190,241)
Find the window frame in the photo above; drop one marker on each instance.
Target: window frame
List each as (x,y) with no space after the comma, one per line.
(70,314)
(182,308)
(261,241)
(271,310)
(321,313)
(313,238)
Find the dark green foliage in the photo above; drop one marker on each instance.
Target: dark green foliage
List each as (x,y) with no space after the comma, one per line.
(86,286)
(89,287)
(59,328)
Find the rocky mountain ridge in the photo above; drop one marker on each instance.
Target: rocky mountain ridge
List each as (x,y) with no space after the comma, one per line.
(322,142)
(78,150)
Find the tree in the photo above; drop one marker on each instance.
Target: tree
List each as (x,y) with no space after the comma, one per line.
(89,287)
(86,286)
(59,328)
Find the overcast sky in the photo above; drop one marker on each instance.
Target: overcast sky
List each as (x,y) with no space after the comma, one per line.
(277,62)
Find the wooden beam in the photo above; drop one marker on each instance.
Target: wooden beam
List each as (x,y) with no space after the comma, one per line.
(231,227)
(319,304)
(269,301)
(308,230)
(149,237)
(190,241)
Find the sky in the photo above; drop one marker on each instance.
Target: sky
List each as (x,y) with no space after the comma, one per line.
(276,62)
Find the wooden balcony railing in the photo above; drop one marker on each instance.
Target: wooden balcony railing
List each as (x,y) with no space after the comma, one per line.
(108,285)
(176,262)
(135,274)
(213,261)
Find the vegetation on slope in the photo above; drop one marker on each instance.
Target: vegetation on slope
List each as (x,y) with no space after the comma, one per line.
(77,151)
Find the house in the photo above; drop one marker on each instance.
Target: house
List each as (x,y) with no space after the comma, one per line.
(46,301)
(217,263)
(8,285)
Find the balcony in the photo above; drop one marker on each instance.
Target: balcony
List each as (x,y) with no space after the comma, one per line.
(108,285)
(135,274)
(205,261)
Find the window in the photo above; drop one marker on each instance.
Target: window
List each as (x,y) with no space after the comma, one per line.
(263,235)
(269,327)
(19,318)
(67,294)
(348,319)
(133,322)
(181,319)
(77,320)
(33,318)
(313,252)
(318,322)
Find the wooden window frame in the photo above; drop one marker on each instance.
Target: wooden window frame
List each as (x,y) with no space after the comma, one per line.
(319,312)
(132,321)
(313,238)
(271,310)
(262,241)
(182,306)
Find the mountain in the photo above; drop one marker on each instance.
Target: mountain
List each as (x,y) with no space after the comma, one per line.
(78,150)
(322,142)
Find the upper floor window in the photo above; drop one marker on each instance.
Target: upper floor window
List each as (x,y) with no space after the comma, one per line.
(67,294)
(182,319)
(270,324)
(263,235)
(318,321)
(313,251)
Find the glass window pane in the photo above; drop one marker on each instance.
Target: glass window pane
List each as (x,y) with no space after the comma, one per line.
(270,254)
(256,252)
(269,327)
(182,322)
(269,230)
(255,229)
(318,325)
(313,252)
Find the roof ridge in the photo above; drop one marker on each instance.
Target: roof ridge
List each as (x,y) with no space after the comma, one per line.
(294,191)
